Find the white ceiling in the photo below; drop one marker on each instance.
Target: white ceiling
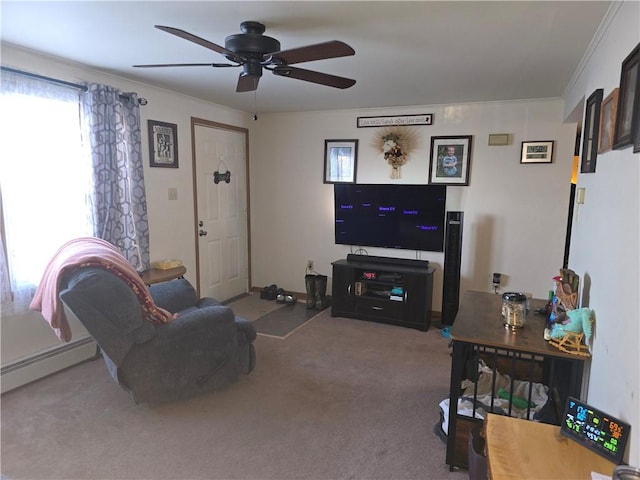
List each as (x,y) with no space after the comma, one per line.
(407,53)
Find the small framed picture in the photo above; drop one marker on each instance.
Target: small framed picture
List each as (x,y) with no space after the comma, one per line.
(537,152)
(590,129)
(450,160)
(628,112)
(607,121)
(340,161)
(163,144)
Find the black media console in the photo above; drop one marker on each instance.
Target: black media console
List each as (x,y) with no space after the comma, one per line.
(382,289)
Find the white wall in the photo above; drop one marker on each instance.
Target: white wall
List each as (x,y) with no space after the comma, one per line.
(606,239)
(171,223)
(515,214)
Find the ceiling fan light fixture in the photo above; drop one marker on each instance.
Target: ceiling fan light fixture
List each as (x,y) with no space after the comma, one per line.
(252,68)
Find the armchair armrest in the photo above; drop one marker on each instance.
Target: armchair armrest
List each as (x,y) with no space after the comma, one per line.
(174,295)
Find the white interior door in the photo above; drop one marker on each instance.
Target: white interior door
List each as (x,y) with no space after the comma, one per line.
(221,210)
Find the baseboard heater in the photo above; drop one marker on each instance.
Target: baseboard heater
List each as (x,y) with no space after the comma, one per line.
(50,361)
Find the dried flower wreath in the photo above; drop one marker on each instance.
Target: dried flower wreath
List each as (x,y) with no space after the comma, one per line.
(395,144)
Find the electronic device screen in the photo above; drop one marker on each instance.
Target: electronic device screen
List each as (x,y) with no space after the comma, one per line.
(391,216)
(595,430)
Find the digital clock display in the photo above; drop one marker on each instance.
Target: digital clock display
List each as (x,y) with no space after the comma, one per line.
(594,429)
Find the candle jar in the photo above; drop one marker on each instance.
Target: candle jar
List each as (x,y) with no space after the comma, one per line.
(515,307)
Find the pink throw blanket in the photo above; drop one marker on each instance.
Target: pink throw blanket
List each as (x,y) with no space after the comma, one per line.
(82,252)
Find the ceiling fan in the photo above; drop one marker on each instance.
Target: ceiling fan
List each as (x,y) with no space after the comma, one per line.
(254,52)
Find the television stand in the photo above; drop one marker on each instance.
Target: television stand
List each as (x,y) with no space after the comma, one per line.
(382,289)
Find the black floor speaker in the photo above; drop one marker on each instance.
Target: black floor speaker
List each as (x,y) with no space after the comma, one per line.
(452,264)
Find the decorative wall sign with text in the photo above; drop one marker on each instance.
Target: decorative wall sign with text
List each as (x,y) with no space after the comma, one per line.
(395,120)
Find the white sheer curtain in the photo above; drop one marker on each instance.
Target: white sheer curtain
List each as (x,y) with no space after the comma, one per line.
(45,181)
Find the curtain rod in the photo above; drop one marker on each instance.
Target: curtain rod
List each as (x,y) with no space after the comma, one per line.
(141,101)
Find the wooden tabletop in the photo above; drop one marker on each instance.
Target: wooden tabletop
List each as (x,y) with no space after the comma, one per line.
(479,321)
(520,449)
(156,275)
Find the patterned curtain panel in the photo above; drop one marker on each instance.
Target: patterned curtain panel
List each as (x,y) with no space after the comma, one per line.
(120,201)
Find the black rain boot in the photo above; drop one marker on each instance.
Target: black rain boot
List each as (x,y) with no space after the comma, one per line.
(309,282)
(321,292)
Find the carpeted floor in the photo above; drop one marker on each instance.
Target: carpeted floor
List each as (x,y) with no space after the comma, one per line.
(339,399)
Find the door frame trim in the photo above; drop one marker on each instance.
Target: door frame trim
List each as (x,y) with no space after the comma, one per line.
(195,121)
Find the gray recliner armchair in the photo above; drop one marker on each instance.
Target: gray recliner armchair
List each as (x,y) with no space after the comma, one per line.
(206,348)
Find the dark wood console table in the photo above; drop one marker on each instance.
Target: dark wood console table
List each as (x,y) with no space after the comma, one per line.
(478,332)
(382,289)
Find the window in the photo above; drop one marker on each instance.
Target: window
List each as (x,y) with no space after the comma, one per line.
(45,180)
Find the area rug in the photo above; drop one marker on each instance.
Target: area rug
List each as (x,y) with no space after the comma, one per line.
(252,307)
(285,320)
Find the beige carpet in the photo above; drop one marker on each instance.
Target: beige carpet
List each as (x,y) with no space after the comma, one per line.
(339,399)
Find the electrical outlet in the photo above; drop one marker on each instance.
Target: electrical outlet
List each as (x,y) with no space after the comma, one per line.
(309,265)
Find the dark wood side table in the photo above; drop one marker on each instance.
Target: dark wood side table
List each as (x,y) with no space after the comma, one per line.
(478,331)
(155,275)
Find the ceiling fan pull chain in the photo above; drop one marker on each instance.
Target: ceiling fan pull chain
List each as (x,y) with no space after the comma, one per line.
(255,108)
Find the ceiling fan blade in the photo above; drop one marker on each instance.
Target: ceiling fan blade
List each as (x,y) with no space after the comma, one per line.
(314,77)
(154,65)
(319,51)
(247,83)
(202,42)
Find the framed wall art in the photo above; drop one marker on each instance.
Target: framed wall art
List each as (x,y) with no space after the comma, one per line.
(607,121)
(340,161)
(537,152)
(628,101)
(450,160)
(636,142)
(163,144)
(590,129)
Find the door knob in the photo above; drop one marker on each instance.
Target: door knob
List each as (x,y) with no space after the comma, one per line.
(202,233)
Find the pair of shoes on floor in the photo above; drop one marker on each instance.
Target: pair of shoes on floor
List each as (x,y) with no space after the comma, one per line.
(287,298)
(269,293)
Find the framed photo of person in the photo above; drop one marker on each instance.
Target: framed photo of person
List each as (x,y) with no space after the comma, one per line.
(163,144)
(450,160)
(340,161)
(607,121)
(627,115)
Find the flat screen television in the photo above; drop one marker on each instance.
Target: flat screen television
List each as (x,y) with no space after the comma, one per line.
(408,217)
